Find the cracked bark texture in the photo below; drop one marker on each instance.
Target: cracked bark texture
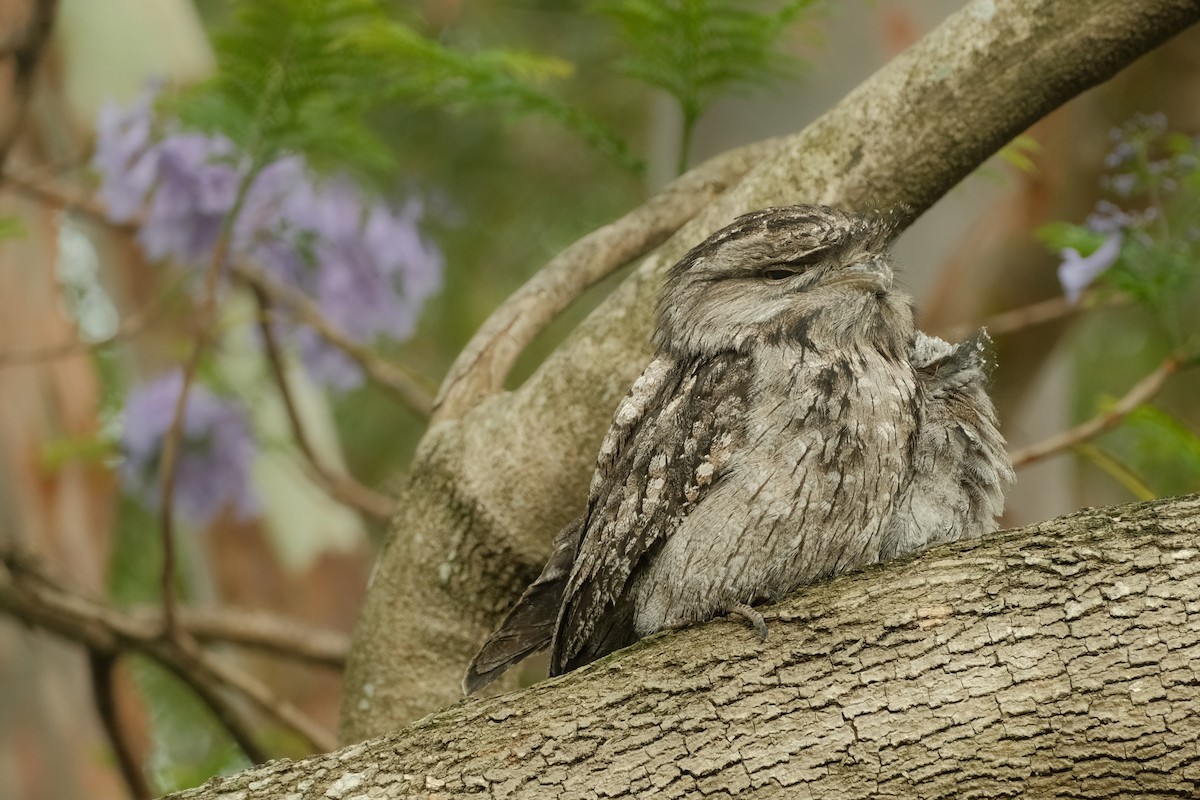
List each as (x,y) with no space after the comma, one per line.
(1055,660)
(488,489)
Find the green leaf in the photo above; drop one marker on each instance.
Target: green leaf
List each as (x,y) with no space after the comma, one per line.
(1063,235)
(1018,152)
(11,227)
(305,75)
(1165,445)
(287,81)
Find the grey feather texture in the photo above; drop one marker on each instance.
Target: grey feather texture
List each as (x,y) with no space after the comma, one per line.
(793,425)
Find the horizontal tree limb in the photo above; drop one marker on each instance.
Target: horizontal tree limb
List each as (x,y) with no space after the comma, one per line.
(1054,660)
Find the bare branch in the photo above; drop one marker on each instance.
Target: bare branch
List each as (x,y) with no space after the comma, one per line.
(1143,391)
(340,486)
(30,593)
(258,630)
(60,194)
(129,327)
(1034,314)
(405,387)
(168,468)
(485,362)
(102,668)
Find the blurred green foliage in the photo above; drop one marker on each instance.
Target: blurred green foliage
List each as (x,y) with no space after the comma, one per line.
(300,76)
(1153,205)
(11,227)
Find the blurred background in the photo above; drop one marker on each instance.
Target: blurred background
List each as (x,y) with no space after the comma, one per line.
(404,235)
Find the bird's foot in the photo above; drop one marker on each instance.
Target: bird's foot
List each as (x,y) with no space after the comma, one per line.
(753,617)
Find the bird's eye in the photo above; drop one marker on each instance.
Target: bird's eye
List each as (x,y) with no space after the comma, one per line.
(805,261)
(777,274)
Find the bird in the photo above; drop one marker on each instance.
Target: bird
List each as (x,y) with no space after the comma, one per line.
(793,424)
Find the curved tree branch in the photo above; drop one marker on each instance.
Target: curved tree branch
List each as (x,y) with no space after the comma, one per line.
(489,489)
(480,370)
(1054,660)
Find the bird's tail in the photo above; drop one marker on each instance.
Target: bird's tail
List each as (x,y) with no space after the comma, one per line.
(529,626)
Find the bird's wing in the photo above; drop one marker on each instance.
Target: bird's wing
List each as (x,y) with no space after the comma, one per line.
(529,625)
(961,460)
(670,442)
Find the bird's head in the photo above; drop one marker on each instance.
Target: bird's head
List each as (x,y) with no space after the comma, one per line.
(813,274)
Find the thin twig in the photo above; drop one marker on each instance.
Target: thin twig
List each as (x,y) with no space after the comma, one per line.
(483,365)
(259,630)
(129,327)
(314,735)
(405,387)
(168,469)
(1039,313)
(59,193)
(1120,473)
(340,486)
(29,593)
(103,692)
(1142,392)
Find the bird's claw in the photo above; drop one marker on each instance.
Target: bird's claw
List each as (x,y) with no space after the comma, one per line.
(753,617)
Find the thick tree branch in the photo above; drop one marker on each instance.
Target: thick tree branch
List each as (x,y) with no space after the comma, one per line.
(488,490)
(1055,660)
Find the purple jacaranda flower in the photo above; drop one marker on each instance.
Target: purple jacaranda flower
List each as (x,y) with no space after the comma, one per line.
(368,267)
(1077,272)
(216,449)
(196,189)
(364,262)
(1108,217)
(1122,184)
(121,155)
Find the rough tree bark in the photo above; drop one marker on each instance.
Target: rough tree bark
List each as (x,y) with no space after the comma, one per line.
(1056,660)
(489,488)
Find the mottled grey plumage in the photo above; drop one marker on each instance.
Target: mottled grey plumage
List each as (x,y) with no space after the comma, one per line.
(793,425)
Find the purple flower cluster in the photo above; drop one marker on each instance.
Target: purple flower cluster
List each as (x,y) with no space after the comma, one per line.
(365,263)
(216,449)
(1146,168)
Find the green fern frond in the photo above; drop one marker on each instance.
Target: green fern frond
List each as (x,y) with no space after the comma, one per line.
(421,71)
(303,75)
(288,81)
(697,50)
